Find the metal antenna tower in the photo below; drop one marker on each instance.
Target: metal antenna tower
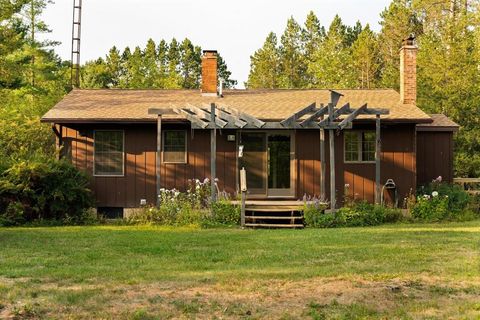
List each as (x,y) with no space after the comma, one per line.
(76,32)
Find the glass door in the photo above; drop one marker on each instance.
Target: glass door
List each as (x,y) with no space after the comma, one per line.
(254,160)
(268,161)
(279,165)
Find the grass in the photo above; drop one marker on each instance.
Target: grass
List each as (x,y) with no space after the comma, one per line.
(393,271)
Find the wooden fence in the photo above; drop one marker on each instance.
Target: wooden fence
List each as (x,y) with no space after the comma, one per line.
(471,185)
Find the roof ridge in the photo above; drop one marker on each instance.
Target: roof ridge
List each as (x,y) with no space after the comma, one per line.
(232,89)
(133,89)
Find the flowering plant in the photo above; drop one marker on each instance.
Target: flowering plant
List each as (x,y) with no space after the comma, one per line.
(192,207)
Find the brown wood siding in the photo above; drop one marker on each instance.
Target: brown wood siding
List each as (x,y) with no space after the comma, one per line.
(434,156)
(178,175)
(397,163)
(139,180)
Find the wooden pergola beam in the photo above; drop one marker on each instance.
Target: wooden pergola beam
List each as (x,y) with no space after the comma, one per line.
(317,114)
(376,111)
(225,115)
(297,115)
(192,118)
(335,114)
(205,114)
(161,111)
(335,97)
(245,117)
(344,123)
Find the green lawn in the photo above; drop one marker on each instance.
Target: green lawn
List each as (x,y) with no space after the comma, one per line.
(395,271)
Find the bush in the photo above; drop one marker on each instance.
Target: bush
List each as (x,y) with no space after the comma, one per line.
(43,190)
(313,213)
(441,201)
(189,208)
(356,214)
(458,198)
(474,204)
(431,209)
(223,213)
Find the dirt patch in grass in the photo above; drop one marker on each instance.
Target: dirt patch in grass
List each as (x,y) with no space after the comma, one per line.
(321,298)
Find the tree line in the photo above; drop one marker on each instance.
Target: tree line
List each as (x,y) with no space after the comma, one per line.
(341,56)
(174,65)
(33,78)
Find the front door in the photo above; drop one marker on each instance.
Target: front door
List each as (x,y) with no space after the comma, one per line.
(268,160)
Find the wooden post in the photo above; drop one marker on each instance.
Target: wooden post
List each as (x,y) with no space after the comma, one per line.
(378,148)
(159,156)
(333,201)
(243,190)
(331,136)
(323,168)
(58,140)
(213,152)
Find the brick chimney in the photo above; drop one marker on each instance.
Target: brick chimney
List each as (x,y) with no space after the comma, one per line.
(408,71)
(209,72)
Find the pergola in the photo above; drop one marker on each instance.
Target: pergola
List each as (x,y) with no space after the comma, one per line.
(325,117)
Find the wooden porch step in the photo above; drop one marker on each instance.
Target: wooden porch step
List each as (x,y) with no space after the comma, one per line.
(273,208)
(268,225)
(274,218)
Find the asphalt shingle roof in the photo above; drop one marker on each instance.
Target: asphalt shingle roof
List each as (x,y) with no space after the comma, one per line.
(115,105)
(440,121)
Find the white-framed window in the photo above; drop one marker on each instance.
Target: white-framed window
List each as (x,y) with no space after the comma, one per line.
(359,146)
(174,146)
(108,153)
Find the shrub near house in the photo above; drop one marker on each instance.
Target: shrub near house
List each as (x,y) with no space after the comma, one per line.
(435,202)
(355,214)
(43,189)
(441,201)
(193,207)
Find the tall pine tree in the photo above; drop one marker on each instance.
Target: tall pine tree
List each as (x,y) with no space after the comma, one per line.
(114,67)
(398,21)
(190,60)
(136,70)
(174,78)
(162,60)
(313,34)
(292,60)
(365,59)
(332,64)
(150,67)
(265,65)
(125,61)
(224,73)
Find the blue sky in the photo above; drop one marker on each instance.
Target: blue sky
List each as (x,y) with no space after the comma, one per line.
(235,28)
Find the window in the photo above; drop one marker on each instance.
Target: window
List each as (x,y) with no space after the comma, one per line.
(108,153)
(175,146)
(360,146)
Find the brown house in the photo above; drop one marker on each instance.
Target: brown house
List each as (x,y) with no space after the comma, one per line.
(134,142)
